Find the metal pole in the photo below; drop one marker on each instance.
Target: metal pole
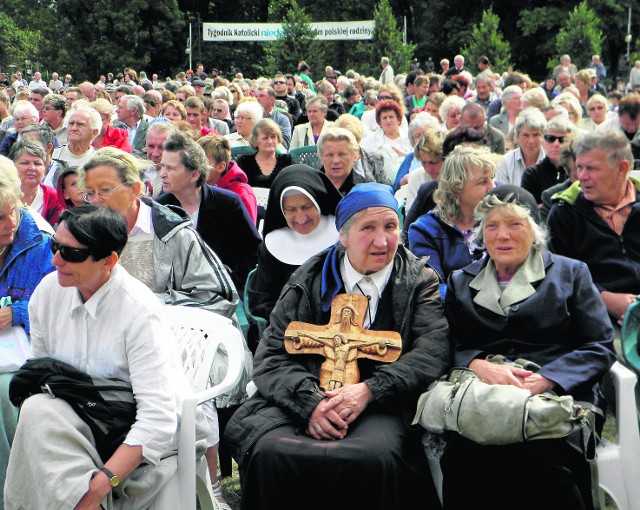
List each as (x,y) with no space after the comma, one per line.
(404,30)
(629,35)
(190,48)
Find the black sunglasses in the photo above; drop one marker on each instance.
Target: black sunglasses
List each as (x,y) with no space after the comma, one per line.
(69,253)
(553,138)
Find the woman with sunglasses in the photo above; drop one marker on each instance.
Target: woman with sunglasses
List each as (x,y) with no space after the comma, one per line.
(25,258)
(549,171)
(164,251)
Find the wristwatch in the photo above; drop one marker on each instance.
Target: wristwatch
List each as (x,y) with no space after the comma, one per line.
(114,481)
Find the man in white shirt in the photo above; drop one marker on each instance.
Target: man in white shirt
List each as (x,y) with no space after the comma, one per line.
(387,71)
(94,316)
(55,84)
(37,82)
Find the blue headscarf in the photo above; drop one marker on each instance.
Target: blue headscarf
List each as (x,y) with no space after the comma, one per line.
(362,196)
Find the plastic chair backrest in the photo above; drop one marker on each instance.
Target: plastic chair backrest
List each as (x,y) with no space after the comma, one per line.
(241,150)
(307,155)
(200,335)
(260,322)
(629,335)
(401,197)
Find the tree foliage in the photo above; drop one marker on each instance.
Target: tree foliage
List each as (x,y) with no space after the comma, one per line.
(580,37)
(298,42)
(486,39)
(387,41)
(16,44)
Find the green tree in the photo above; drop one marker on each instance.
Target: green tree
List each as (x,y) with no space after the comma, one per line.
(580,37)
(16,44)
(297,42)
(387,42)
(113,34)
(486,39)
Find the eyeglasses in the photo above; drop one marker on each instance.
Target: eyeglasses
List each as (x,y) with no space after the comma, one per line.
(279,82)
(381,98)
(234,91)
(69,253)
(103,193)
(79,123)
(218,110)
(48,108)
(23,119)
(242,117)
(553,138)
(593,108)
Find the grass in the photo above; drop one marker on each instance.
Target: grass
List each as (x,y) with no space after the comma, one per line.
(231,484)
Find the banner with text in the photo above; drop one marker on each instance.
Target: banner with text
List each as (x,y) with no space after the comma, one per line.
(325,31)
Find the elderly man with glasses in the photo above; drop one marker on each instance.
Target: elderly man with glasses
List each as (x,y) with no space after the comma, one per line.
(83,126)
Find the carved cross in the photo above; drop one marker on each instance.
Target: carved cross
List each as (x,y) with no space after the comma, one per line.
(343,341)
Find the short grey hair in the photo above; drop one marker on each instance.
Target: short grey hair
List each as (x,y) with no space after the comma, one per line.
(338,134)
(30,146)
(561,125)
(507,207)
(133,103)
(252,108)
(23,106)
(192,155)
(532,118)
(422,120)
(45,134)
(95,121)
(510,91)
(613,141)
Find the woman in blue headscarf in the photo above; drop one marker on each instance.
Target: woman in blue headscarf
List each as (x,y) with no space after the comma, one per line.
(354,441)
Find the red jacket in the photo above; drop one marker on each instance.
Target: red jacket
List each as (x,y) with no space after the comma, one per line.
(51,208)
(117,137)
(234,179)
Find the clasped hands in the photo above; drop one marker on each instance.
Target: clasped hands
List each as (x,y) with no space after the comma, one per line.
(332,416)
(494,373)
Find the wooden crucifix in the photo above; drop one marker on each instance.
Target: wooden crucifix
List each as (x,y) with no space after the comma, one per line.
(343,341)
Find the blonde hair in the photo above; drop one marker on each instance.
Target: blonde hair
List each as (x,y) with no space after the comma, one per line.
(456,171)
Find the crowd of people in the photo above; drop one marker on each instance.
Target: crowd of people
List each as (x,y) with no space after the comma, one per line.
(479,214)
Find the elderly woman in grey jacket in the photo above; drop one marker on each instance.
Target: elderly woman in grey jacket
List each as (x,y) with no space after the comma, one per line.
(293,431)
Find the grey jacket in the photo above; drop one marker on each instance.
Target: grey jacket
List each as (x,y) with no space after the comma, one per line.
(288,386)
(187,272)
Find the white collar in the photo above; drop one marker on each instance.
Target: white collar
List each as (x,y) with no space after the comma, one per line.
(351,277)
(92,304)
(144,223)
(290,247)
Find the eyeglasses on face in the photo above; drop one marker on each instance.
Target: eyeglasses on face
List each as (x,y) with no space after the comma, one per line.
(69,253)
(381,98)
(89,196)
(279,82)
(218,110)
(553,138)
(48,108)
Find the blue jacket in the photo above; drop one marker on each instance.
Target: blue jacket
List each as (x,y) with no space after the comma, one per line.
(443,244)
(27,262)
(403,170)
(563,326)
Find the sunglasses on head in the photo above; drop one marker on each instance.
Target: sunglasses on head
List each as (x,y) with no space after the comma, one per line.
(69,253)
(553,138)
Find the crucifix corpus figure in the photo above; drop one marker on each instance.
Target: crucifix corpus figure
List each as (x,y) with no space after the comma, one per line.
(343,341)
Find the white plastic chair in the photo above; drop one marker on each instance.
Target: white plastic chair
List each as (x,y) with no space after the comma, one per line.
(618,462)
(200,335)
(262,196)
